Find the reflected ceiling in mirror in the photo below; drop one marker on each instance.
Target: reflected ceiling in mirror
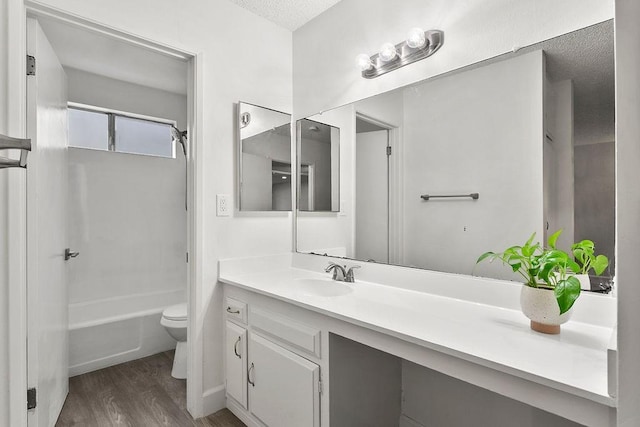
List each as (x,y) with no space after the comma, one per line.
(264,159)
(532,132)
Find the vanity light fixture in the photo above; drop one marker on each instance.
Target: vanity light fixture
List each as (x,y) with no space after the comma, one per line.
(418,45)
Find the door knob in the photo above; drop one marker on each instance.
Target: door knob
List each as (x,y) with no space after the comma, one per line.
(68,254)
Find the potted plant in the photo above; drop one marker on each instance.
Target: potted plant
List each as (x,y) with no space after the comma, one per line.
(584,254)
(549,289)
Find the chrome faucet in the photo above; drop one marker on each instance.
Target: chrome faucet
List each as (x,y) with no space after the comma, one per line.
(340,273)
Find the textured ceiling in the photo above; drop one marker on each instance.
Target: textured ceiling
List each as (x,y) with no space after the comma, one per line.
(290,14)
(587,57)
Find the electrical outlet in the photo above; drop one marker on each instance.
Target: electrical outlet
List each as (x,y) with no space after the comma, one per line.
(223,205)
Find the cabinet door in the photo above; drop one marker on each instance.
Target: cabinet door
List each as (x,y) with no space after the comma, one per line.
(283,387)
(236,356)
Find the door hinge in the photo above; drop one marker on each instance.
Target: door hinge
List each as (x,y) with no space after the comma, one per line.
(31,398)
(187,257)
(320,387)
(31,65)
(388,150)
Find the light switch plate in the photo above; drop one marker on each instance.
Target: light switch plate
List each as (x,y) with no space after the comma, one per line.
(223,205)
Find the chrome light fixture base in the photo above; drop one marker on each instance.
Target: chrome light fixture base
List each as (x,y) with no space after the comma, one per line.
(405,55)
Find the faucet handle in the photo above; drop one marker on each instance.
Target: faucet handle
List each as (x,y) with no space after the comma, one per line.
(349,277)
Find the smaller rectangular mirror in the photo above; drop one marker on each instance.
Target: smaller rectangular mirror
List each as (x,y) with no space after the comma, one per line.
(318,166)
(264,159)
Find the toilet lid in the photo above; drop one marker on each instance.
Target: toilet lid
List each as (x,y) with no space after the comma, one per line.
(175,312)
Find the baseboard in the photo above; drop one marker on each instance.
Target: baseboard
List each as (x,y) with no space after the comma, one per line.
(242,414)
(408,422)
(214,400)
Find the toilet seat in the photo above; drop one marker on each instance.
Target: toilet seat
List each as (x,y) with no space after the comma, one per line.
(176,312)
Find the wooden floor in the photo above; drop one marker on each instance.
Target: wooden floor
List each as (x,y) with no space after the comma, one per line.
(138,393)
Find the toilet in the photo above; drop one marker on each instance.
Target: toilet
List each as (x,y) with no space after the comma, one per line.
(174,319)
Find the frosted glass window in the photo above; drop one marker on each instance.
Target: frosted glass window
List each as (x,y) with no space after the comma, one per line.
(143,137)
(88,129)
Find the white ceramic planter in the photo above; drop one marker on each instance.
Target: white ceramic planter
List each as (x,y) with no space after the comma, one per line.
(541,307)
(585,282)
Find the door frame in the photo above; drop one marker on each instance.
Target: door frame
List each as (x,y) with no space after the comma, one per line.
(17,13)
(395,188)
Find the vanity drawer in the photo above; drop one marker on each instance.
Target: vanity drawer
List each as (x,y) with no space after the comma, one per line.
(286,330)
(236,310)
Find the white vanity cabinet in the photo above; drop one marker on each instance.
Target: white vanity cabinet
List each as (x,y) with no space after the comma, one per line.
(268,378)
(283,387)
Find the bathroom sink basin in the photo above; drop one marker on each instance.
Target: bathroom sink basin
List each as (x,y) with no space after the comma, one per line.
(322,287)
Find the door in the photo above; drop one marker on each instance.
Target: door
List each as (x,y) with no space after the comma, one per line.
(283,387)
(372,196)
(236,363)
(47,343)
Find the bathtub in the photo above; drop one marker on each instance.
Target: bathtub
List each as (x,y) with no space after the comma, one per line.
(110,331)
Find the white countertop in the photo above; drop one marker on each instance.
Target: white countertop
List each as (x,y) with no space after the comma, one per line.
(500,338)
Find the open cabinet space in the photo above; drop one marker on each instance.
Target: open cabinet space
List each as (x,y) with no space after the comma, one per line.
(373,388)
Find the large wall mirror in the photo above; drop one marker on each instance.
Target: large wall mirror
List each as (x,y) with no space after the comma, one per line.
(264,159)
(529,134)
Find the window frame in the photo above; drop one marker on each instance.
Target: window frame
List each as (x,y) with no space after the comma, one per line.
(111,125)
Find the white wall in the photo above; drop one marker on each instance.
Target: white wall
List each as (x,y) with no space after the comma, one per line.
(100,91)
(355,26)
(205,28)
(4,312)
(558,161)
(4,267)
(5,129)
(325,75)
(262,119)
(129,223)
(334,232)
(479,131)
(347,29)
(628,208)
(319,155)
(372,202)
(595,197)
(259,151)
(127,212)
(256,182)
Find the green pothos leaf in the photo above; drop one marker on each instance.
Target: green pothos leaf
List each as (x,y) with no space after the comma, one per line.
(567,292)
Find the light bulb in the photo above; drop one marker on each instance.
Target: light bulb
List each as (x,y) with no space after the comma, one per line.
(387,52)
(416,38)
(364,62)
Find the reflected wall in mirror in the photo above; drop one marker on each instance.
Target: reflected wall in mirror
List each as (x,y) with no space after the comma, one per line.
(264,159)
(532,132)
(319,166)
